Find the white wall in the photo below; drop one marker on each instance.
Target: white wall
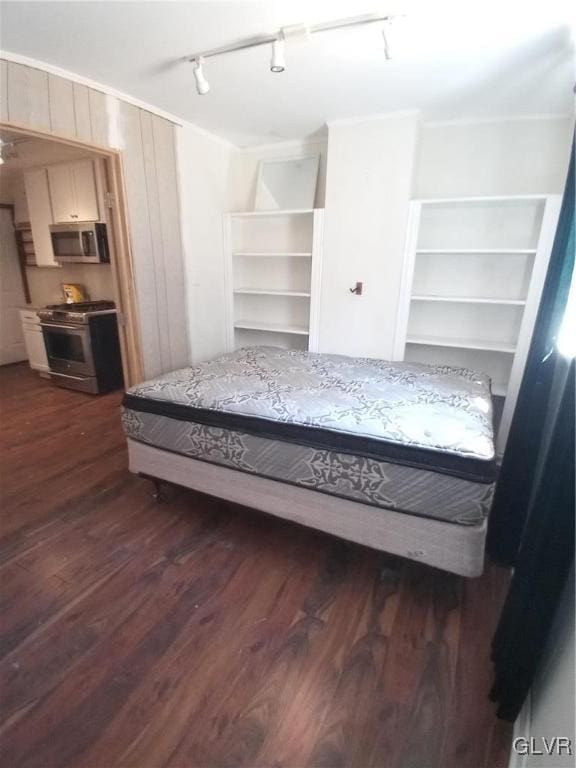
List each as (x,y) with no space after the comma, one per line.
(45,283)
(203,167)
(498,157)
(368,189)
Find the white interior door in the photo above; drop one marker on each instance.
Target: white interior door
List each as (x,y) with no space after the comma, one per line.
(12,348)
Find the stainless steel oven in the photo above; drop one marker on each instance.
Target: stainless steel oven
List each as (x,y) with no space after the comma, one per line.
(83,242)
(68,348)
(82,345)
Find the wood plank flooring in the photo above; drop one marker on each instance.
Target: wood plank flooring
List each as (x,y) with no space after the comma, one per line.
(197,633)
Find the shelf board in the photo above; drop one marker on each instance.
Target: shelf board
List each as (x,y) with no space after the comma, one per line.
(462,343)
(291,212)
(481,199)
(481,251)
(256,325)
(471,300)
(270,292)
(276,255)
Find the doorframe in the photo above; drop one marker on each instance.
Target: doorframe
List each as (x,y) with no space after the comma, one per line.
(124,285)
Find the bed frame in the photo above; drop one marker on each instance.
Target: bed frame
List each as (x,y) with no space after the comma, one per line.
(449,546)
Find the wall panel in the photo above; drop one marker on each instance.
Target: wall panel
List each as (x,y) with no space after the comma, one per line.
(61,103)
(32,98)
(173,269)
(157,245)
(82,112)
(28,98)
(98,118)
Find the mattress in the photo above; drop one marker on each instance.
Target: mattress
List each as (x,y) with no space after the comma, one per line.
(408,437)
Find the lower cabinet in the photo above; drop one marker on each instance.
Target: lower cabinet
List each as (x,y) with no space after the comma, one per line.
(34,340)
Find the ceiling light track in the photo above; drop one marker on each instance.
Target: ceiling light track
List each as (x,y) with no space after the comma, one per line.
(290,33)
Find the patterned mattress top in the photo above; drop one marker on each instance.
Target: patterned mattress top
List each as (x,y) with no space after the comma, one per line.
(433,408)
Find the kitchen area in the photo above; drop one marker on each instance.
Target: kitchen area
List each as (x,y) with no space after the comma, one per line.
(57,308)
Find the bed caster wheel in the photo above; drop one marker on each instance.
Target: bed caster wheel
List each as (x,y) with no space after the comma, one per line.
(159,494)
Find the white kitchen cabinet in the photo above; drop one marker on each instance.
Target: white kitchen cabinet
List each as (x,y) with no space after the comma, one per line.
(40,211)
(73,192)
(34,340)
(61,193)
(84,184)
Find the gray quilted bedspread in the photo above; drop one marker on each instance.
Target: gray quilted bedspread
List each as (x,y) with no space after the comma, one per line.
(438,408)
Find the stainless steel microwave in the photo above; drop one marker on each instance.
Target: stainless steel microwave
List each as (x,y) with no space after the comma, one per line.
(84,242)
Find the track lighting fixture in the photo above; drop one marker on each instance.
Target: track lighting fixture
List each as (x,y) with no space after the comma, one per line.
(278,63)
(386,39)
(202,85)
(294,33)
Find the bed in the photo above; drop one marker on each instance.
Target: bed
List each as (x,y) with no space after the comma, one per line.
(396,456)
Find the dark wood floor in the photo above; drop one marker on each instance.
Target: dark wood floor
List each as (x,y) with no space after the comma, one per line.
(197,633)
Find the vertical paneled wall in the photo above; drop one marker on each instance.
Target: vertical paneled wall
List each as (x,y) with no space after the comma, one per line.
(35,99)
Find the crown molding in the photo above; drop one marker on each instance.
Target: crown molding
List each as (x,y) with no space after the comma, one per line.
(297,145)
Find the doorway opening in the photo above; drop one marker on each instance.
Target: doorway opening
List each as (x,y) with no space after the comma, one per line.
(64,238)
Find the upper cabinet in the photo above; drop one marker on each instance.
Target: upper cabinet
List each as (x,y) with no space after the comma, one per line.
(40,210)
(73,192)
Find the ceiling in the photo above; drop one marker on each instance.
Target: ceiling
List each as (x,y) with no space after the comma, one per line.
(452,60)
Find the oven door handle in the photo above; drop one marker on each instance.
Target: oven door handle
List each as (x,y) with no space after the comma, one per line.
(77,328)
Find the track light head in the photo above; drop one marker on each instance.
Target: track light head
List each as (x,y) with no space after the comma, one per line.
(278,63)
(202,85)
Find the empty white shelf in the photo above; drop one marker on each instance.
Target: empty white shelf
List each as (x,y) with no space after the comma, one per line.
(256,325)
(480,199)
(469,300)
(292,212)
(482,251)
(270,292)
(462,343)
(276,255)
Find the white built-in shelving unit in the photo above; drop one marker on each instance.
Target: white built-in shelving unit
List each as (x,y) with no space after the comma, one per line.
(273,277)
(473,275)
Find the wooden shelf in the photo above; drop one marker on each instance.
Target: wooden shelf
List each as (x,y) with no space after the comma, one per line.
(256,325)
(462,343)
(276,255)
(271,292)
(481,251)
(291,212)
(469,300)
